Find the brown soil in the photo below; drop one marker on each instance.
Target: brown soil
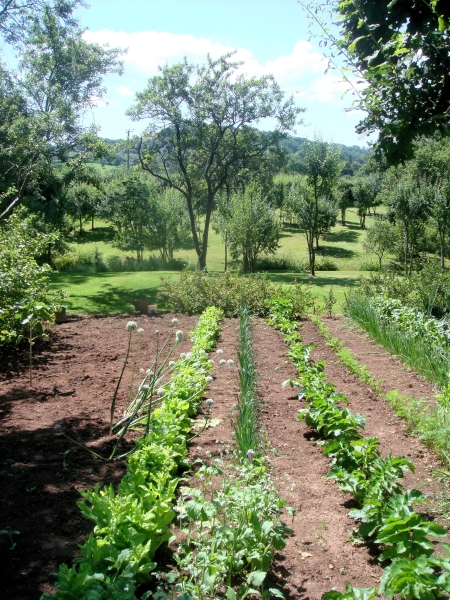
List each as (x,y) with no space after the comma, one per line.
(75,375)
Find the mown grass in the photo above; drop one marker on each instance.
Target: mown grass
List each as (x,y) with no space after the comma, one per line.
(108,293)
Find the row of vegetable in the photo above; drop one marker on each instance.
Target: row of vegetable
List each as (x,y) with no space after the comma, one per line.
(133,522)
(385,510)
(230,520)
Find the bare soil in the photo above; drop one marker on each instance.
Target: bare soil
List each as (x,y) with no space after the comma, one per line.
(75,374)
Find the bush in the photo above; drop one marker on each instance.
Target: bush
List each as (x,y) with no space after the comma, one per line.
(194,292)
(370,265)
(24,284)
(323,263)
(93,262)
(427,290)
(284,262)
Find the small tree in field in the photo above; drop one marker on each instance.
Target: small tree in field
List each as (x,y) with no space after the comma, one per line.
(380,239)
(252,227)
(307,196)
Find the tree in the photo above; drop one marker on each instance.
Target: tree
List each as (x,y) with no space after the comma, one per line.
(363,198)
(326,219)
(61,77)
(344,195)
(380,238)
(127,207)
(200,130)
(323,167)
(431,168)
(168,221)
(408,207)
(252,227)
(401,50)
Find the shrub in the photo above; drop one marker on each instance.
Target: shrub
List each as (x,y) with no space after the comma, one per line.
(323,263)
(194,292)
(284,262)
(24,284)
(370,265)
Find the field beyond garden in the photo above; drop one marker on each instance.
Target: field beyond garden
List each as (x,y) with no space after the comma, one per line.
(75,374)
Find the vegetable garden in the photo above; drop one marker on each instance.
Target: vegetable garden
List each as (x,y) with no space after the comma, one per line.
(238,503)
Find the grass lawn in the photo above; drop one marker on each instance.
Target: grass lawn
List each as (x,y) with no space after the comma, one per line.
(113,292)
(108,293)
(343,244)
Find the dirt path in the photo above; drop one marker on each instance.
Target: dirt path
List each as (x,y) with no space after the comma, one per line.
(318,556)
(381,363)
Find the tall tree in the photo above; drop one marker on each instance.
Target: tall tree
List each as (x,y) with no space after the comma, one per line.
(401,49)
(200,129)
(323,164)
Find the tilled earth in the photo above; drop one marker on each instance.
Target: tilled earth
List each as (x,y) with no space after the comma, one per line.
(74,377)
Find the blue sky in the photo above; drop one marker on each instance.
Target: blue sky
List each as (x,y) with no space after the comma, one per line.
(270,36)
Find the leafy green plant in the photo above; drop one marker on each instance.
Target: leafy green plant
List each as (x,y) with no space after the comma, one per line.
(131,524)
(329,301)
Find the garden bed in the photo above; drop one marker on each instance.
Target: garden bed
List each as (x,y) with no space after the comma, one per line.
(75,375)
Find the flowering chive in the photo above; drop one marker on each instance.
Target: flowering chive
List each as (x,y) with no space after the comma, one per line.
(131,326)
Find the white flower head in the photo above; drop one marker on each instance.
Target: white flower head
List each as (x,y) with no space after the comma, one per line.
(131,326)
(198,385)
(222,362)
(160,391)
(209,402)
(210,361)
(196,365)
(179,336)
(141,370)
(156,331)
(145,388)
(250,455)
(230,362)
(219,351)
(202,353)
(149,372)
(140,330)
(56,427)
(208,379)
(189,355)
(172,363)
(183,355)
(174,321)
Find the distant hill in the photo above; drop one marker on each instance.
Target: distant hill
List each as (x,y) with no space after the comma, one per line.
(354,156)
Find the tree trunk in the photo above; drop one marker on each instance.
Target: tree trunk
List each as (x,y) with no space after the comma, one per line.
(226,252)
(343,211)
(317,242)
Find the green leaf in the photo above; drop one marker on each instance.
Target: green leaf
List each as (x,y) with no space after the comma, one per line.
(256,578)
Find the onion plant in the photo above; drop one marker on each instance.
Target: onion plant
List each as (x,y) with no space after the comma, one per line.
(246,419)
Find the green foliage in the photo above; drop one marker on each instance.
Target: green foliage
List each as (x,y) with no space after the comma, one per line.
(24,284)
(244,531)
(252,228)
(401,51)
(380,239)
(419,341)
(245,418)
(201,134)
(194,292)
(351,593)
(133,522)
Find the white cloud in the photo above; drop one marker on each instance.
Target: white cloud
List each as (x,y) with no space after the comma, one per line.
(124,90)
(149,49)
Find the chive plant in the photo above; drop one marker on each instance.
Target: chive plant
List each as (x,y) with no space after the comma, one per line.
(246,420)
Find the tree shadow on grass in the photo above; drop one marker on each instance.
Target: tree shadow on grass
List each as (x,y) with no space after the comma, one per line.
(349,236)
(321,280)
(335,252)
(100,234)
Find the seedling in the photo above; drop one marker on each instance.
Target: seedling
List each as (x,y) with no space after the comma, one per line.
(10,533)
